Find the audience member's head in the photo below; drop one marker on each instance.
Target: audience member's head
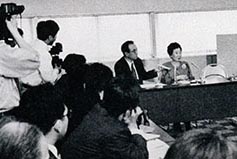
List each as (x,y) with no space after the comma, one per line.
(120,95)
(129,50)
(21,140)
(47,31)
(73,62)
(97,77)
(43,107)
(202,144)
(172,47)
(75,66)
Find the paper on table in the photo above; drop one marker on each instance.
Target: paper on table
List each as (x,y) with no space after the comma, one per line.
(152,85)
(148,85)
(147,136)
(157,149)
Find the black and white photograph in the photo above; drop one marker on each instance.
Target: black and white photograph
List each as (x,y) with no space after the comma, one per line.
(118,79)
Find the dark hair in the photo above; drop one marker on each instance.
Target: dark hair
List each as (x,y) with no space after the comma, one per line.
(97,76)
(200,144)
(73,61)
(124,47)
(41,106)
(121,94)
(19,140)
(46,28)
(6,11)
(173,46)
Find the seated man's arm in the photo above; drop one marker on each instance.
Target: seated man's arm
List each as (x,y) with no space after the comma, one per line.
(149,74)
(145,74)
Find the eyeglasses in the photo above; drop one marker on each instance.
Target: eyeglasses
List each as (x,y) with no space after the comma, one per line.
(133,51)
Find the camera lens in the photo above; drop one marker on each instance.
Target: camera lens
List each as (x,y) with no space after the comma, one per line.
(19,9)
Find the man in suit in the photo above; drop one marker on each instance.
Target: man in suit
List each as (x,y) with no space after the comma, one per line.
(131,65)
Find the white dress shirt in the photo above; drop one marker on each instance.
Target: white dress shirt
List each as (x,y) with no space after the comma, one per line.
(54,151)
(45,73)
(14,63)
(130,63)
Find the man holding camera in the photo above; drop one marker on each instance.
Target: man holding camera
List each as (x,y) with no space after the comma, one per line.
(14,62)
(46,35)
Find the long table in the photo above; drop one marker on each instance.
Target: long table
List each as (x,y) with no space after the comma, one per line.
(190,103)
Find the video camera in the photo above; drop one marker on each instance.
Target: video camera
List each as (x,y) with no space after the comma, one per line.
(54,52)
(6,12)
(9,9)
(56,49)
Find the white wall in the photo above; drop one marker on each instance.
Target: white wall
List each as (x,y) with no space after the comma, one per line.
(94,7)
(227,52)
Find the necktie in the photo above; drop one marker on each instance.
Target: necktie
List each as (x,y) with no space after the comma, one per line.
(134,75)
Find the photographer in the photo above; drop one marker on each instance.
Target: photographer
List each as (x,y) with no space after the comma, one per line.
(15,62)
(46,35)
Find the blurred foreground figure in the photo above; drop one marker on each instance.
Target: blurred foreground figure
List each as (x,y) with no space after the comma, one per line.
(202,144)
(43,106)
(21,140)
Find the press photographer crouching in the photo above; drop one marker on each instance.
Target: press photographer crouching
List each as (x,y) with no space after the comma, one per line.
(15,62)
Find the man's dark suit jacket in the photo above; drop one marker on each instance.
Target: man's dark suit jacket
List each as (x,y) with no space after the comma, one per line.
(101,136)
(121,68)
